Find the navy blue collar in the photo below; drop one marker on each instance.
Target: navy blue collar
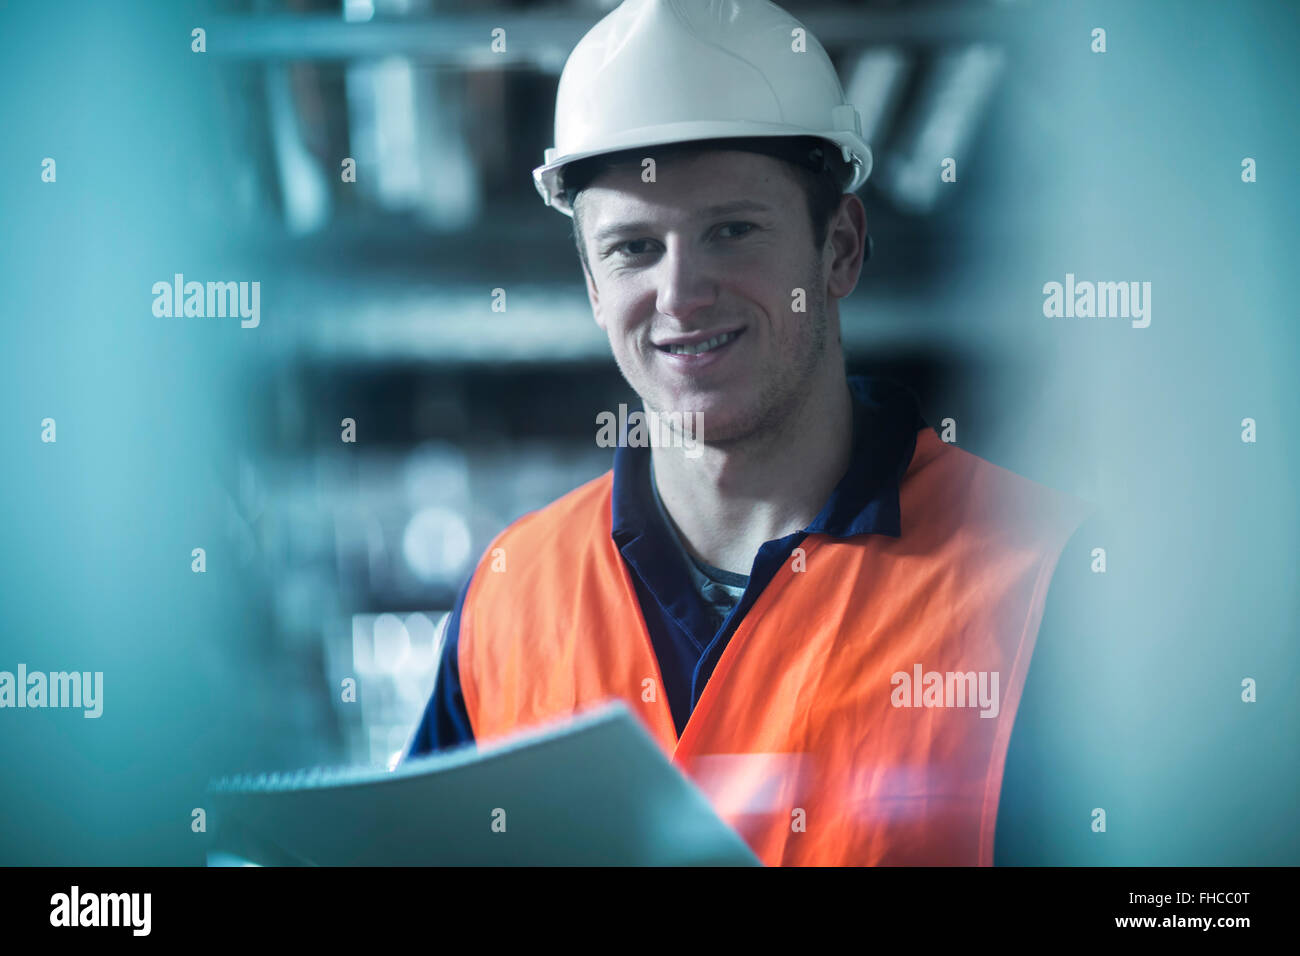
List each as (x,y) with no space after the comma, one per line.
(886,418)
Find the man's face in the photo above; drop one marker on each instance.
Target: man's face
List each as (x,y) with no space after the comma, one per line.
(714,250)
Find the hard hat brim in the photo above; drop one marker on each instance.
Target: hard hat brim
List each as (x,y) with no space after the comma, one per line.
(547,177)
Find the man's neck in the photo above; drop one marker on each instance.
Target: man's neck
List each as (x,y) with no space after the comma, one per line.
(728,501)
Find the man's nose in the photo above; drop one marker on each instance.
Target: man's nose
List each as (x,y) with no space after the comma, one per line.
(685,285)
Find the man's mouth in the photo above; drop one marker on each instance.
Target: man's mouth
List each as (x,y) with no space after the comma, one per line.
(696,348)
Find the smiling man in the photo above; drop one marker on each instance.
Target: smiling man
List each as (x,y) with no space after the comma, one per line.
(693,277)
(814,615)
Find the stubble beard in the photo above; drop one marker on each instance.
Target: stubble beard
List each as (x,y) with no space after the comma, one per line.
(784,389)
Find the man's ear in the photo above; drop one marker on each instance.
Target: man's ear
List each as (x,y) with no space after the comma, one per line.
(847,239)
(593,295)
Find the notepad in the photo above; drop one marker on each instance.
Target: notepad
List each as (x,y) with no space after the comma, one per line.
(591,790)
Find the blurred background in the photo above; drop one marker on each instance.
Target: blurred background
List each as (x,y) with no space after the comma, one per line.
(329,560)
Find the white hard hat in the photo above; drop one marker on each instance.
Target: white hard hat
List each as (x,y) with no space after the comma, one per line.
(654,72)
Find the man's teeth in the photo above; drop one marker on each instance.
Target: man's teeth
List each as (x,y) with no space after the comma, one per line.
(699,347)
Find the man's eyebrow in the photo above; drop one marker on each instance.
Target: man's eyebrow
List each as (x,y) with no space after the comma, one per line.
(730,208)
(708,212)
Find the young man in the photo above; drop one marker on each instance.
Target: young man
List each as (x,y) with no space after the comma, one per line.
(822,612)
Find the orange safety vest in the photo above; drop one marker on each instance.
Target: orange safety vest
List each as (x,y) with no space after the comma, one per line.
(811,737)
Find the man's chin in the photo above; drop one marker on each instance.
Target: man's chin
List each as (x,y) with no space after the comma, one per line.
(721,416)
(719,428)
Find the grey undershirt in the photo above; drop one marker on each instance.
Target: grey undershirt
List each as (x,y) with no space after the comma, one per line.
(718,588)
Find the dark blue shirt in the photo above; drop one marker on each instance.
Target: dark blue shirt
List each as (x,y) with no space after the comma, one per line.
(886,420)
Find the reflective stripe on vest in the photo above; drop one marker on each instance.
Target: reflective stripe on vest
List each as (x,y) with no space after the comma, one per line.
(823,735)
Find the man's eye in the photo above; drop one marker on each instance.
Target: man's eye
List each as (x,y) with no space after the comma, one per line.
(738,229)
(633,247)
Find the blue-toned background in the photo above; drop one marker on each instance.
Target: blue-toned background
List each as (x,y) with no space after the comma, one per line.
(329,560)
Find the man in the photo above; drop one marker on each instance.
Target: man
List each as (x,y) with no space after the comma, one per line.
(825,616)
